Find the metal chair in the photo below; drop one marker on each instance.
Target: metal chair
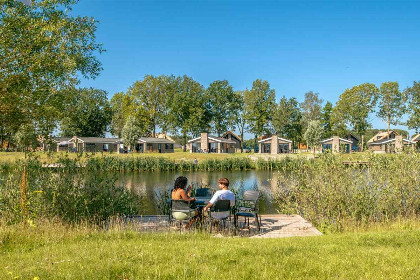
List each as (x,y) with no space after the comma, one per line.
(180,211)
(221,212)
(248,208)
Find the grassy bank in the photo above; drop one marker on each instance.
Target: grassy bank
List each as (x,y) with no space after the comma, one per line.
(58,252)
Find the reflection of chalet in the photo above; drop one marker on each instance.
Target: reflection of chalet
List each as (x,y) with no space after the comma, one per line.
(336,145)
(232,136)
(274,145)
(211,144)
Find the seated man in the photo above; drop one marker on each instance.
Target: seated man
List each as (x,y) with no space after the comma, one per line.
(223,193)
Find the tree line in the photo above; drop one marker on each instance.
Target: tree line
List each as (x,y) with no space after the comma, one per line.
(44,50)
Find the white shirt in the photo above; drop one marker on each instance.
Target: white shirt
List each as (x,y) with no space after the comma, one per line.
(223,194)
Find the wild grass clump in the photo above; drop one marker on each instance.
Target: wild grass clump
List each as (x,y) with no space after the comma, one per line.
(332,195)
(29,191)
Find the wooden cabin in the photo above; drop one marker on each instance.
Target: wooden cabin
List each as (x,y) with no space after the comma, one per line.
(211,144)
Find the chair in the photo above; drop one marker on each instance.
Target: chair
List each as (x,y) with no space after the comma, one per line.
(248,208)
(220,211)
(203,192)
(180,211)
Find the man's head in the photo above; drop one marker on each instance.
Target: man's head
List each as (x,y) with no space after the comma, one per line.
(223,183)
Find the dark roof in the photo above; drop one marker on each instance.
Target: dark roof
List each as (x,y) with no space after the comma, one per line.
(97,140)
(233,134)
(155,140)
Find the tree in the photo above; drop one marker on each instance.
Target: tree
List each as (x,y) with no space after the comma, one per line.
(391,104)
(26,137)
(240,116)
(326,119)
(121,106)
(413,94)
(188,108)
(313,134)
(131,132)
(43,49)
(311,108)
(87,114)
(287,119)
(151,93)
(224,105)
(354,106)
(259,105)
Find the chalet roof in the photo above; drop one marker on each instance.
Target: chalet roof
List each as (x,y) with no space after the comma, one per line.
(386,141)
(215,139)
(416,138)
(155,140)
(61,139)
(341,140)
(96,140)
(354,136)
(233,134)
(279,138)
(382,135)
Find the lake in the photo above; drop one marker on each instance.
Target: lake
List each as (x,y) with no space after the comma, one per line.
(148,183)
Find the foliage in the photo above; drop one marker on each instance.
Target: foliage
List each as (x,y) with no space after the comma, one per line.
(151,94)
(332,195)
(326,113)
(121,106)
(259,105)
(131,132)
(43,49)
(26,137)
(287,119)
(87,113)
(311,108)
(188,107)
(313,134)
(239,120)
(391,103)
(354,106)
(68,193)
(224,105)
(413,94)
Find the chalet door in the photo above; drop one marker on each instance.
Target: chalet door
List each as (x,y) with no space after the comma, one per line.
(160,148)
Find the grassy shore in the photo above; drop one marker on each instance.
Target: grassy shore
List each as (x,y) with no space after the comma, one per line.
(59,252)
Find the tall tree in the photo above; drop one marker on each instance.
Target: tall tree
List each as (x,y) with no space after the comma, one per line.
(259,103)
(240,116)
(132,131)
(188,108)
(43,49)
(122,107)
(413,94)
(287,119)
(391,104)
(151,93)
(313,134)
(311,108)
(355,105)
(326,113)
(87,114)
(224,105)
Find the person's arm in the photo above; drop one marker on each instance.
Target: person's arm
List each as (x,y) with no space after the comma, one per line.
(209,205)
(185,196)
(212,201)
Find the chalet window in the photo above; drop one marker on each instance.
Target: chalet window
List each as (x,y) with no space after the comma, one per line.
(106,148)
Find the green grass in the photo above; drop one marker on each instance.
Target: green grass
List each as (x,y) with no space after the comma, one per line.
(59,252)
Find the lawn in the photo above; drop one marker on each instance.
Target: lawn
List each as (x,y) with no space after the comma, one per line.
(58,252)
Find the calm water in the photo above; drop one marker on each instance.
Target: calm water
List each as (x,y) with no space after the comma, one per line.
(147,183)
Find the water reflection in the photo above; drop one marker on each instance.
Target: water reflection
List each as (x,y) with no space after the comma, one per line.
(146,183)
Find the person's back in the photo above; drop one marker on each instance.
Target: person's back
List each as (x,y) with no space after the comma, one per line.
(223,193)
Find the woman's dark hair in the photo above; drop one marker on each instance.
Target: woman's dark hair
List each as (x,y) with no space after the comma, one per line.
(180,182)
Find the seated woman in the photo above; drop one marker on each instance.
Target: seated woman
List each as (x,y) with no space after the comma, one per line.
(179,193)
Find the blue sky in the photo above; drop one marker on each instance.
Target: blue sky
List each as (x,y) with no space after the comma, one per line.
(297,46)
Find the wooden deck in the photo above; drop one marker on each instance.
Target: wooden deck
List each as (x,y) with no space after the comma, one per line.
(273,226)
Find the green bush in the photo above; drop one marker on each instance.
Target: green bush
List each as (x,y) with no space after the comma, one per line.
(331,195)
